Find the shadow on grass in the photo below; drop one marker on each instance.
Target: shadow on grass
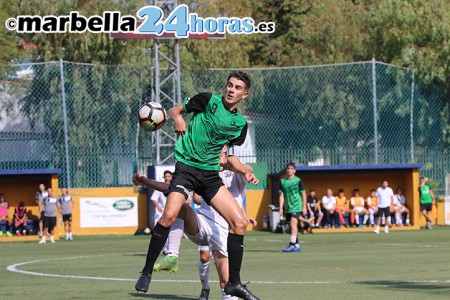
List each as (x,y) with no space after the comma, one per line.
(162,296)
(431,287)
(134,254)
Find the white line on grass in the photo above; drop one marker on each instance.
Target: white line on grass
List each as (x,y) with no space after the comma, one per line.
(13,268)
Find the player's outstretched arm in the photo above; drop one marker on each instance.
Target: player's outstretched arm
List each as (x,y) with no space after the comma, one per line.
(175,113)
(139,179)
(234,164)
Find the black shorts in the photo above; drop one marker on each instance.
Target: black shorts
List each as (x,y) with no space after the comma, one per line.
(41,217)
(425,206)
(187,179)
(67,217)
(385,210)
(296,215)
(50,223)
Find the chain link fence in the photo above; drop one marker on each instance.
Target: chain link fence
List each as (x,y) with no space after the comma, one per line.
(81,118)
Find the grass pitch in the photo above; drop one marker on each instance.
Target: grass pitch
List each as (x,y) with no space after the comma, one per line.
(399,265)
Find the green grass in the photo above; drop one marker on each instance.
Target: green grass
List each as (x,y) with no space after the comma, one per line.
(399,265)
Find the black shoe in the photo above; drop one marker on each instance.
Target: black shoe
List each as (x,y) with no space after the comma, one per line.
(143,282)
(239,290)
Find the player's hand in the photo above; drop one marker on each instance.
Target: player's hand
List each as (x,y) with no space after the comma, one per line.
(281,212)
(159,208)
(251,178)
(139,179)
(253,222)
(305,212)
(180,125)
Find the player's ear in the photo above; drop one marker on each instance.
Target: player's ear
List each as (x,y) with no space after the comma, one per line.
(245,95)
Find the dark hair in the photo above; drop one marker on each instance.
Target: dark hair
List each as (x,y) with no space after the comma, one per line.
(290,164)
(1,194)
(422,178)
(312,190)
(167,172)
(241,76)
(341,191)
(355,190)
(21,203)
(372,190)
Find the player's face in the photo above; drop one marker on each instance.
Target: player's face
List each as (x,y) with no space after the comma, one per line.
(313,194)
(50,192)
(64,191)
(42,187)
(329,193)
(2,198)
(167,177)
(385,184)
(235,91)
(290,170)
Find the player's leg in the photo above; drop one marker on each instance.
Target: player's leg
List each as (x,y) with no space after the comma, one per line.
(407,212)
(221,262)
(51,229)
(70,227)
(366,217)
(387,212)
(66,227)
(41,225)
(319,218)
(174,203)
(379,215)
(356,214)
(203,271)
(224,203)
(293,223)
(172,247)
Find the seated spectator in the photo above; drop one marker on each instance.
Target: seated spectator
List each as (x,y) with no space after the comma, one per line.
(314,210)
(357,203)
(400,208)
(342,208)
(20,219)
(329,208)
(372,206)
(4,206)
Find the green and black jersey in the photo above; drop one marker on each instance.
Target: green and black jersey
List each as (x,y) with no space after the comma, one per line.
(211,127)
(292,189)
(425,196)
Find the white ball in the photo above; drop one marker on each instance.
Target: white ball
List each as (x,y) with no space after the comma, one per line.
(151,116)
(147,230)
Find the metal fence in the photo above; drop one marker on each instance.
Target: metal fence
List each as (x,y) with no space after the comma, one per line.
(81,118)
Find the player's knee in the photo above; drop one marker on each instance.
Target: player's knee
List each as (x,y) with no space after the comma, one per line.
(205,257)
(167,219)
(239,226)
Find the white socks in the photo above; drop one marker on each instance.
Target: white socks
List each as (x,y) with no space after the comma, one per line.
(174,240)
(203,272)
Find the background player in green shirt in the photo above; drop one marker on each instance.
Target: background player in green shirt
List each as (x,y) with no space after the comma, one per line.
(293,197)
(215,123)
(426,200)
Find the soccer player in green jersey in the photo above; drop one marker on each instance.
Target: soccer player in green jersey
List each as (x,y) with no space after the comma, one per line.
(293,196)
(426,200)
(215,123)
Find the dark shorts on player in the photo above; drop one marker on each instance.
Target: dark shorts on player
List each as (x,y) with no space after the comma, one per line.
(385,210)
(425,206)
(41,217)
(203,182)
(67,217)
(296,215)
(50,223)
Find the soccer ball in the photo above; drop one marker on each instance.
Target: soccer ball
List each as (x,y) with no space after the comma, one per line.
(147,230)
(151,116)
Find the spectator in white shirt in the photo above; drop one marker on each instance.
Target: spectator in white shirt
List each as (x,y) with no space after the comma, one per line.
(400,208)
(329,208)
(385,197)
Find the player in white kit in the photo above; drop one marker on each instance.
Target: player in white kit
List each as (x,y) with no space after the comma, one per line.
(207,228)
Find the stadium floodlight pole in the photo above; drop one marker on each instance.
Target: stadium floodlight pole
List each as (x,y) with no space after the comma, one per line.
(66,138)
(412,118)
(374,94)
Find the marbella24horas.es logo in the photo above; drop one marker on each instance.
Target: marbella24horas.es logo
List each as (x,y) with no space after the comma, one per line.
(149,19)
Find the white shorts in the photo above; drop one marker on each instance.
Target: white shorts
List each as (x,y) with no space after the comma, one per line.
(358,209)
(157,216)
(210,234)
